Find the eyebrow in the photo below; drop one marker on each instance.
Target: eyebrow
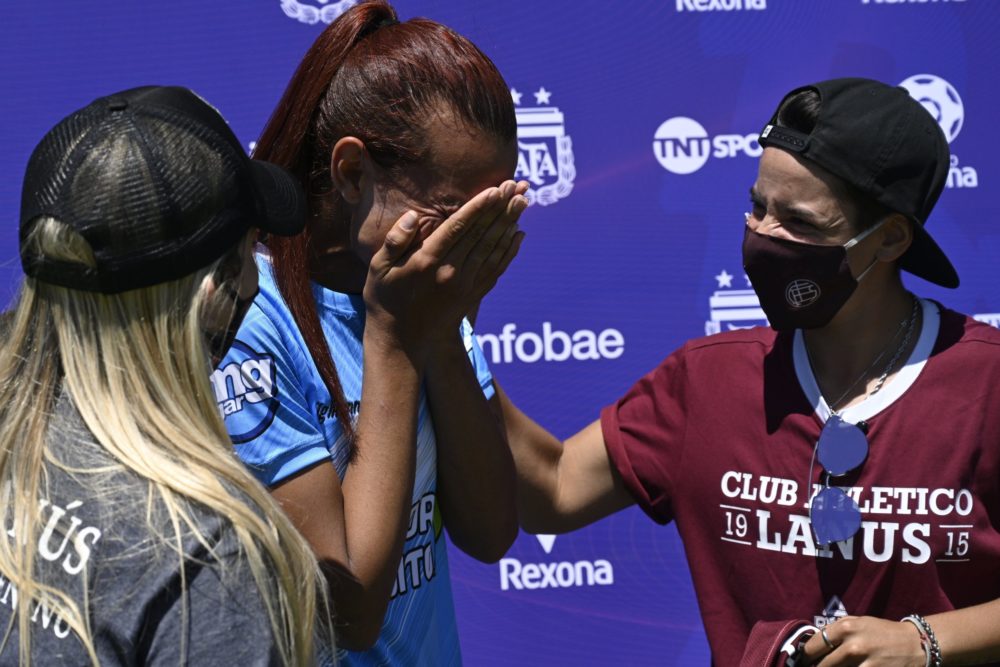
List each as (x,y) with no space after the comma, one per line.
(447,201)
(804,214)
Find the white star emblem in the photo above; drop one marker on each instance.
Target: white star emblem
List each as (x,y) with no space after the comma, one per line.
(516,95)
(747,278)
(542,96)
(725,280)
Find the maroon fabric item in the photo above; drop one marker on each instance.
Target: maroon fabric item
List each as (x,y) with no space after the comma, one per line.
(720,436)
(800,285)
(763,648)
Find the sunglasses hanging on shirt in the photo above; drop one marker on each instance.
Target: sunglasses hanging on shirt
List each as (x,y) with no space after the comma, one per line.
(842,447)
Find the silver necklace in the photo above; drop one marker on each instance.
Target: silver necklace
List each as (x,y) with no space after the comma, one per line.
(909,323)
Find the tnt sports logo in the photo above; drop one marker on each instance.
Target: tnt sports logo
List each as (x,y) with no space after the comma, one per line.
(306,13)
(944,104)
(561,574)
(801,293)
(246,391)
(682,146)
(545,151)
(719,5)
(941,101)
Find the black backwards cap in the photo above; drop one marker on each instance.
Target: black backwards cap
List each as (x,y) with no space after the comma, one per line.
(884,143)
(159,186)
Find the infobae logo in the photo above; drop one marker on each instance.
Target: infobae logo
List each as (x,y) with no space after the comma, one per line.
(550,344)
(682,145)
(520,576)
(720,5)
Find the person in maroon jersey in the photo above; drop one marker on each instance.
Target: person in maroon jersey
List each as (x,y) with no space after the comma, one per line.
(842,465)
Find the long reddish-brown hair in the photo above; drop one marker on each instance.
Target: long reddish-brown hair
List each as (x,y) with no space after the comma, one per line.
(370,77)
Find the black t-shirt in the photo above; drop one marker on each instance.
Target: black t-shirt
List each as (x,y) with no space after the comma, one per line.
(106,541)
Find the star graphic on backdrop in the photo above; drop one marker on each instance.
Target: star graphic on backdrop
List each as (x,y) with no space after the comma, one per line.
(542,96)
(725,280)
(747,278)
(516,95)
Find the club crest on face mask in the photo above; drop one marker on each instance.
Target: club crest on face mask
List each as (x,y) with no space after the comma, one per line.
(802,293)
(800,285)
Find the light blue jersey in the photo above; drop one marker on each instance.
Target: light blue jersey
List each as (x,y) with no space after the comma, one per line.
(278,414)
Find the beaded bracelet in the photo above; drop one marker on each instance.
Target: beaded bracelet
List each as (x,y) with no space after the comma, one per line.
(928,641)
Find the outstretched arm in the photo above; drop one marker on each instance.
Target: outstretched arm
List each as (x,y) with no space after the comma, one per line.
(561,486)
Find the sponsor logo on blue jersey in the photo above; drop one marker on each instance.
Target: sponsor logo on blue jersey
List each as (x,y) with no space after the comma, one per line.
(246,385)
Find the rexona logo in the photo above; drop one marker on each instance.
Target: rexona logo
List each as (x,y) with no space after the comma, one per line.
(550,345)
(907,2)
(326,11)
(545,151)
(943,102)
(682,145)
(558,574)
(719,5)
(246,391)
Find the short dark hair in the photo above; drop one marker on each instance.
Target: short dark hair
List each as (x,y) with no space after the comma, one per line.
(800,112)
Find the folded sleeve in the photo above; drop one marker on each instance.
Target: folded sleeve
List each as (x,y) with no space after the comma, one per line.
(644,432)
(478,359)
(259,387)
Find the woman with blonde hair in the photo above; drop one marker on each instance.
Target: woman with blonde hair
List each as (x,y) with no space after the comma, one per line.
(132,535)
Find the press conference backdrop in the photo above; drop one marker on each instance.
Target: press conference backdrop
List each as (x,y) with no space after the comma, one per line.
(637,124)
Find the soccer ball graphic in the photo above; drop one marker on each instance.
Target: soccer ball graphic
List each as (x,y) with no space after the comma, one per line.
(940,99)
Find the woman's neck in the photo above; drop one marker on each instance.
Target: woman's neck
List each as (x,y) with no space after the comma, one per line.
(332,262)
(338,269)
(866,340)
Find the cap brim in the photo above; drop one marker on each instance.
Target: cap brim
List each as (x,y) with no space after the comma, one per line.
(284,200)
(925,259)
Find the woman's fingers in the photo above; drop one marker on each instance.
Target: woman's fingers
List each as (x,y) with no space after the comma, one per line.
(496,240)
(464,227)
(397,242)
(498,263)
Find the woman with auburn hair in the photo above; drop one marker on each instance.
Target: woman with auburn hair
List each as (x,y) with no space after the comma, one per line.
(132,535)
(372,455)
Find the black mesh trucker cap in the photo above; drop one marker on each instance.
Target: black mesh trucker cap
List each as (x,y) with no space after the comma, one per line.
(884,143)
(159,186)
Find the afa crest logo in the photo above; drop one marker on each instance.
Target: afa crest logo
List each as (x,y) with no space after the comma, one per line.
(327,12)
(545,151)
(731,308)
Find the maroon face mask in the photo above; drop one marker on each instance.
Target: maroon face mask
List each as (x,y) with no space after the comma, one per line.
(800,285)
